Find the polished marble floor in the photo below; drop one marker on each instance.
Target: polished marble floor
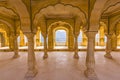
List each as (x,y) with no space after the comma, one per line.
(59,66)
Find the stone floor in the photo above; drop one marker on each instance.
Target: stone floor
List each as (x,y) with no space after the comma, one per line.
(59,66)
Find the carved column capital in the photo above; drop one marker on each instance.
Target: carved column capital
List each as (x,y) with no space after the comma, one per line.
(29,35)
(91,34)
(109,36)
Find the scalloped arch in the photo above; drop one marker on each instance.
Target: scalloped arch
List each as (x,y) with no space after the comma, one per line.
(60,10)
(4,27)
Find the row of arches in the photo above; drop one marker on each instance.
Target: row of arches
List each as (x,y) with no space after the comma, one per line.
(58,38)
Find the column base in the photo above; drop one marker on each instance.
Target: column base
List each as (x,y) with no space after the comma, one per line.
(16,56)
(31,73)
(90,74)
(45,56)
(76,56)
(108,55)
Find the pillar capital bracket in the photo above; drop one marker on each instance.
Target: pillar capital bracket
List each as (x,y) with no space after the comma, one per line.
(91,34)
(29,34)
(108,35)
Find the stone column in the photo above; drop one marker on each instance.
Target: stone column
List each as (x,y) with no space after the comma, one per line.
(101,41)
(2,41)
(50,40)
(76,47)
(6,39)
(118,40)
(84,40)
(22,41)
(108,46)
(90,60)
(70,40)
(32,71)
(114,42)
(37,38)
(45,48)
(16,55)
(11,41)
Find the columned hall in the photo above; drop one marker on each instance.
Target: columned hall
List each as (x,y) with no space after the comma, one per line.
(59,39)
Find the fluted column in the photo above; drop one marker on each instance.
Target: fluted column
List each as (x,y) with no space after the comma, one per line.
(32,71)
(108,46)
(16,55)
(90,59)
(45,48)
(76,48)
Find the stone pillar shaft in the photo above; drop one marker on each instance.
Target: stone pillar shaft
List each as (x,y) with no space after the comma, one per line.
(2,41)
(15,47)
(114,42)
(38,38)
(90,60)
(11,42)
(108,46)
(45,48)
(22,41)
(84,39)
(32,71)
(76,47)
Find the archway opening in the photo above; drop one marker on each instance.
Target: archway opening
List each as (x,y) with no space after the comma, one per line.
(55,30)
(60,40)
